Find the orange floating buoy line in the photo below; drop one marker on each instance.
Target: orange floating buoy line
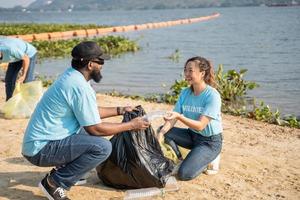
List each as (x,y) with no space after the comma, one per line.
(104,31)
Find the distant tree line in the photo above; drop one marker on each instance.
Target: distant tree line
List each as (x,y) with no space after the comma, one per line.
(70,5)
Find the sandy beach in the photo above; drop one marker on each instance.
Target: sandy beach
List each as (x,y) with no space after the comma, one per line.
(258,161)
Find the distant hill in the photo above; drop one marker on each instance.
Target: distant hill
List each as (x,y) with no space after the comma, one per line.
(63,5)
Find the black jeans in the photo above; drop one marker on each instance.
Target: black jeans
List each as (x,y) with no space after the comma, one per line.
(12,74)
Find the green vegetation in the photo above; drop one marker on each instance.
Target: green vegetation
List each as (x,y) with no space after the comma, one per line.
(264,113)
(172,96)
(175,56)
(231,84)
(113,45)
(46,81)
(28,28)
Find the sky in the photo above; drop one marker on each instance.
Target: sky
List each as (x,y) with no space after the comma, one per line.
(13,3)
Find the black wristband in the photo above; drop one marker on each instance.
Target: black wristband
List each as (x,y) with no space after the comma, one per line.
(119,110)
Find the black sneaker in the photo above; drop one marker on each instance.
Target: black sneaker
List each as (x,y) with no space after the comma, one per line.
(52,193)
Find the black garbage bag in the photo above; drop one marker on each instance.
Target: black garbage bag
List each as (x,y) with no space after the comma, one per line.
(137,160)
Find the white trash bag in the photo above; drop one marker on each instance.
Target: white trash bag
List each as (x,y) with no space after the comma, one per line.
(23,101)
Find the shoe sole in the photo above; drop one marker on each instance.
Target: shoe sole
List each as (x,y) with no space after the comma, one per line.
(211,172)
(81,182)
(45,191)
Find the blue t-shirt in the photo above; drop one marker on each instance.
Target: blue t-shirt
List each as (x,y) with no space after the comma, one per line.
(66,106)
(207,103)
(14,49)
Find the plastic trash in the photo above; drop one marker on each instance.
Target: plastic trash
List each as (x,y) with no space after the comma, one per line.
(170,153)
(137,160)
(142,193)
(213,167)
(171,186)
(154,115)
(23,101)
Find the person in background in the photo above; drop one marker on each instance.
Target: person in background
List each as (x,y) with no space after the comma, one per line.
(66,127)
(21,56)
(199,108)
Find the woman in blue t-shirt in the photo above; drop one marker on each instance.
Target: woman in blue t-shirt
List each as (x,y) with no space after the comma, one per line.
(199,108)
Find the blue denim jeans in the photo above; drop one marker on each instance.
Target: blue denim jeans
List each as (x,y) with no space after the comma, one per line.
(12,74)
(75,156)
(203,150)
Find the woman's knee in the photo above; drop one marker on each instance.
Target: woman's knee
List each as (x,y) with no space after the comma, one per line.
(186,174)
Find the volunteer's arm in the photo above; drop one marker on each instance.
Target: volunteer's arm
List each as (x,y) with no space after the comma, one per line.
(25,66)
(106,128)
(166,127)
(197,125)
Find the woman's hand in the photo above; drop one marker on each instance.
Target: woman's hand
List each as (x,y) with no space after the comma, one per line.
(171,116)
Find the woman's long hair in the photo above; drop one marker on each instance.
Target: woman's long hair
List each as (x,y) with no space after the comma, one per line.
(206,66)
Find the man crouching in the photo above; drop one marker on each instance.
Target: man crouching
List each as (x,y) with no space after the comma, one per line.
(52,137)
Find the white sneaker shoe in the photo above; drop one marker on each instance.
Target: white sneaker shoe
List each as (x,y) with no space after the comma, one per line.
(213,167)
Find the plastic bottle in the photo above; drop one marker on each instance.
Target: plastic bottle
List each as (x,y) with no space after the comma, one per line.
(143,192)
(171,185)
(154,115)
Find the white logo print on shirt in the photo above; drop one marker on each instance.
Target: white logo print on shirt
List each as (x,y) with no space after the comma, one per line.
(194,109)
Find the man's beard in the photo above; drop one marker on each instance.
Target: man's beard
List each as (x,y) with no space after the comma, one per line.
(96,76)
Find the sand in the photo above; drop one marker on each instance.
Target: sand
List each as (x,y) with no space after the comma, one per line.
(258,161)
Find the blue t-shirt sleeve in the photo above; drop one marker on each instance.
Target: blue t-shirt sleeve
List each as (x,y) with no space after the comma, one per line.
(84,106)
(11,55)
(212,106)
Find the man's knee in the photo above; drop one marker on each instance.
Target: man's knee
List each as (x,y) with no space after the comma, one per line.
(102,147)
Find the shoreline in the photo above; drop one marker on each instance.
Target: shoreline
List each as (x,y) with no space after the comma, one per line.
(258,161)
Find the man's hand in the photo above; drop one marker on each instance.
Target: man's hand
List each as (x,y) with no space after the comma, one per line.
(139,123)
(127,109)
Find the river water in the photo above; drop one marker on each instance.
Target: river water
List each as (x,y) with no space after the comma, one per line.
(264,40)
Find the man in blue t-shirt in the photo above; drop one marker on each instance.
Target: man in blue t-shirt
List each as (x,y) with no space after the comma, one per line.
(20,55)
(53,136)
